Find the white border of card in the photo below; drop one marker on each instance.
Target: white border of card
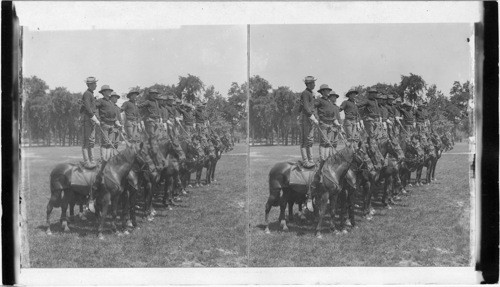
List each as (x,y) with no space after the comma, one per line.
(167,14)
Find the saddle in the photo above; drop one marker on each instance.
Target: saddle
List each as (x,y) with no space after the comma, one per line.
(300,165)
(83,176)
(301,176)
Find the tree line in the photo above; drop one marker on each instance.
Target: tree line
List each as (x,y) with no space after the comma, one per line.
(52,116)
(274,111)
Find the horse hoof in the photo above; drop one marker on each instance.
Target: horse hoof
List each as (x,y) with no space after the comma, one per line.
(129,224)
(48,232)
(369,217)
(267,231)
(150,218)
(372,211)
(184,192)
(170,207)
(214,180)
(189,185)
(118,233)
(153,212)
(344,231)
(126,232)
(319,236)
(100,236)
(285,228)
(389,206)
(348,223)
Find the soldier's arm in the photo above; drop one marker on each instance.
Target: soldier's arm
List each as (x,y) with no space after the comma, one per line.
(87,104)
(308,110)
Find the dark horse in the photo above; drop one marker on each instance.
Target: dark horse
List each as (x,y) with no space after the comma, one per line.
(333,179)
(206,161)
(221,145)
(108,192)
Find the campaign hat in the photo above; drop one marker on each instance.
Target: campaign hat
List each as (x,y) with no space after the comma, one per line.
(90,80)
(324,87)
(114,94)
(351,92)
(309,79)
(333,94)
(381,97)
(105,88)
(372,90)
(390,97)
(133,92)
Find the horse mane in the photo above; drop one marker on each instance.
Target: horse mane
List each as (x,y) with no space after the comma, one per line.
(344,154)
(120,157)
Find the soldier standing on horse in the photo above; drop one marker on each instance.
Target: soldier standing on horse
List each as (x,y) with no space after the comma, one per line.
(384,114)
(393,117)
(408,118)
(108,116)
(351,120)
(372,115)
(171,117)
(119,125)
(328,117)
(89,120)
(421,117)
(152,117)
(131,116)
(306,110)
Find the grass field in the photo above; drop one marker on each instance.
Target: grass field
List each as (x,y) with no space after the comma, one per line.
(428,228)
(208,229)
(211,228)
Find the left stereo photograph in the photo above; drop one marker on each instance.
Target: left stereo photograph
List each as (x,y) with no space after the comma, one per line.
(133,144)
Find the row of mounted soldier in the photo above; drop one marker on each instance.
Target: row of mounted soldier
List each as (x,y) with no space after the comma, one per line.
(166,140)
(385,140)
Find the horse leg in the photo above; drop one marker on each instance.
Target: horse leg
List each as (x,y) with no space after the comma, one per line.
(148,195)
(273,200)
(125,216)
(321,212)
(104,202)
(132,202)
(283,200)
(350,206)
(212,175)
(53,201)
(168,192)
(198,175)
(419,175)
(64,208)
(290,209)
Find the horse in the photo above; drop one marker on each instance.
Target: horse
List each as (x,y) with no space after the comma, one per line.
(367,178)
(393,154)
(169,173)
(191,148)
(64,194)
(333,172)
(206,162)
(413,157)
(430,157)
(226,145)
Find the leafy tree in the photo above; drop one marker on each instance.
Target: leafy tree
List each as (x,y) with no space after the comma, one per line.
(411,87)
(189,87)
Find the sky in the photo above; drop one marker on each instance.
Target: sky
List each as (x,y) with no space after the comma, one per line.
(128,58)
(344,56)
(125,44)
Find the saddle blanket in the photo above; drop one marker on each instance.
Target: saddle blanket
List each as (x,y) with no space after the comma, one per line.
(81,176)
(301,176)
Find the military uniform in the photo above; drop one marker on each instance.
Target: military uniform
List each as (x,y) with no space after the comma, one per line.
(384,115)
(351,115)
(132,117)
(393,116)
(329,118)
(152,114)
(421,118)
(188,118)
(89,120)
(108,115)
(372,115)
(408,117)
(307,115)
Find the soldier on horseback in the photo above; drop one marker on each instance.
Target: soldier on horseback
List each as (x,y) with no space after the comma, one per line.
(170,118)
(108,115)
(188,117)
(372,115)
(393,116)
(152,117)
(421,117)
(384,115)
(89,120)
(408,118)
(131,116)
(351,121)
(307,116)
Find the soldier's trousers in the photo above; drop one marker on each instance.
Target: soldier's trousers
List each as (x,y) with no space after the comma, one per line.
(370,126)
(350,128)
(152,127)
(88,132)
(306,132)
(132,130)
(109,136)
(330,132)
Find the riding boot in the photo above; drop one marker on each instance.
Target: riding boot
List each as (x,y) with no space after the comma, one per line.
(85,154)
(91,157)
(303,153)
(310,159)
